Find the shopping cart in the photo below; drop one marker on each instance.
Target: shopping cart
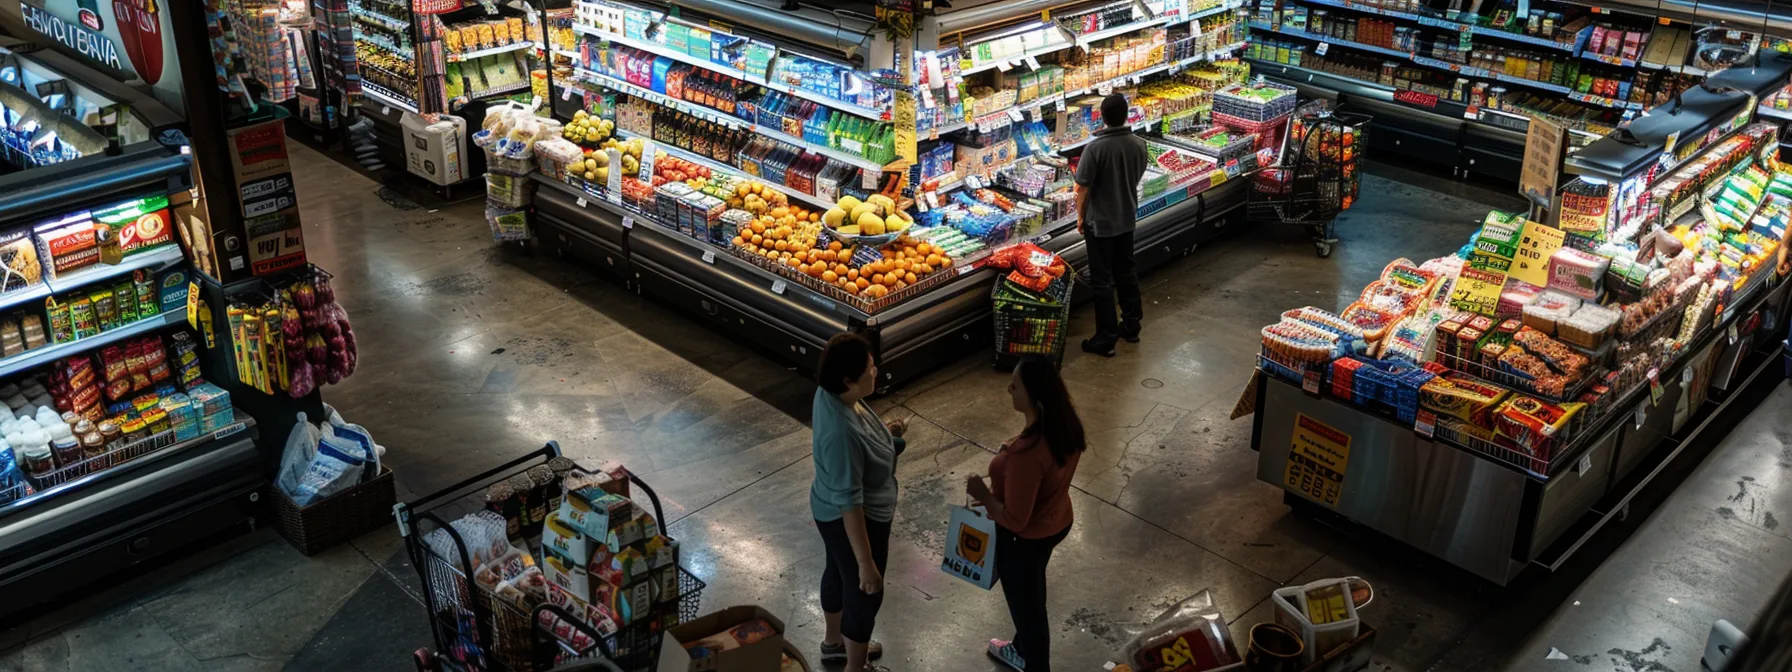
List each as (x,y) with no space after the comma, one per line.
(1030,322)
(1317,177)
(477,631)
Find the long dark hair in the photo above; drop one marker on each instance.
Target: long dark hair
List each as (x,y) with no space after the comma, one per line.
(1057,423)
(842,361)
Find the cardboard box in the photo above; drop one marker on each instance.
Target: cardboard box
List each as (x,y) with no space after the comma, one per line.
(766,655)
(435,151)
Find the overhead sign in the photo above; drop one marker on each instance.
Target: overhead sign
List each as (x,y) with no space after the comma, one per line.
(132,40)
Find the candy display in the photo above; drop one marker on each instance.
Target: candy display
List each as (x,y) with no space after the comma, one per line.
(297,341)
(1521,369)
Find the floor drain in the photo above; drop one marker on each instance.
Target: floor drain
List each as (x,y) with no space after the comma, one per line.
(1152,383)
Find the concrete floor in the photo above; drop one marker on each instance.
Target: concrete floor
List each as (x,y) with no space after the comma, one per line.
(474,355)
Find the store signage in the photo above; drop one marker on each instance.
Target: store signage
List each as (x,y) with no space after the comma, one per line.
(131,40)
(1317,460)
(273,238)
(1425,424)
(1477,291)
(1536,244)
(1310,381)
(1542,161)
(1412,97)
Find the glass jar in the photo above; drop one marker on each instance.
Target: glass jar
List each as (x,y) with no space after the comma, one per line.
(1316,21)
(1459,92)
(1494,96)
(1387,72)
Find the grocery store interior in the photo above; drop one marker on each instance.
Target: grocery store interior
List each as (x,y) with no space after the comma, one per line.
(1465,336)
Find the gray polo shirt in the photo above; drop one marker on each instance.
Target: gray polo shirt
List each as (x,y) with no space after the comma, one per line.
(1111,167)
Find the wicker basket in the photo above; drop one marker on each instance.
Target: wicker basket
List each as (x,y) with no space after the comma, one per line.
(344,516)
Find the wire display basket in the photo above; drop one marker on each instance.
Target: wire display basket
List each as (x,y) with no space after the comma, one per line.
(1512,380)
(477,630)
(1029,322)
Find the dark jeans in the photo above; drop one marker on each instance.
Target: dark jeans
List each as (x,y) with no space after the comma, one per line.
(840,592)
(1111,270)
(1021,565)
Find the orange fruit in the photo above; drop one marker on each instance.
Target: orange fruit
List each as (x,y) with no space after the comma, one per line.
(877,279)
(910,278)
(863,283)
(852,274)
(830,277)
(841,269)
(851,289)
(835,246)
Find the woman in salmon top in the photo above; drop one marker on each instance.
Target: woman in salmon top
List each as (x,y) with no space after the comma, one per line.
(1029,500)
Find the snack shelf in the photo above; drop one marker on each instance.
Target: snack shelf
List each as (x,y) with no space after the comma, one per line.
(1292,32)
(1105,33)
(662,50)
(1204,13)
(1014,61)
(718,166)
(380,42)
(1609,60)
(502,91)
(1771,113)
(723,118)
(470,55)
(47,353)
(157,259)
(380,95)
(120,459)
(1693,70)
(382,21)
(1436,22)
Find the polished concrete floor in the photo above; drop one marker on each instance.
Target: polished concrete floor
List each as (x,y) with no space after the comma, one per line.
(472,354)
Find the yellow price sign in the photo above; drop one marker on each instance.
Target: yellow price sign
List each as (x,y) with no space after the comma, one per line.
(1536,244)
(1317,460)
(1477,291)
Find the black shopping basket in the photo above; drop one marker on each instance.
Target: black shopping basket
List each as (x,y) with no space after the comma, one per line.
(1030,322)
(477,631)
(1317,177)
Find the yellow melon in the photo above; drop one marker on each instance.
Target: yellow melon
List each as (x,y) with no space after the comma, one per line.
(848,203)
(894,224)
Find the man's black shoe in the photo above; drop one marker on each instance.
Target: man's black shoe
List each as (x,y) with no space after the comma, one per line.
(1095,347)
(1129,331)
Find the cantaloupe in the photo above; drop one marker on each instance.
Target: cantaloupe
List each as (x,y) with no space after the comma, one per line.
(871,224)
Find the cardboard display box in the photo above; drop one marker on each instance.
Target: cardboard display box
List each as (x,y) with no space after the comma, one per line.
(766,655)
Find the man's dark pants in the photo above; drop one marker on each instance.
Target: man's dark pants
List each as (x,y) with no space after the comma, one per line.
(1111,271)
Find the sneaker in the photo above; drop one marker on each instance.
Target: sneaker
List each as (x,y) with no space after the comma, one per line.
(836,654)
(1095,347)
(1129,331)
(1004,652)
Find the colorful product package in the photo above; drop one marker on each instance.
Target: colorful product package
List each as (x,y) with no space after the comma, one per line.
(1577,273)
(1531,422)
(1461,397)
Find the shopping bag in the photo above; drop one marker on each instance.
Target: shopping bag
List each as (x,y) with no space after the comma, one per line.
(971,547)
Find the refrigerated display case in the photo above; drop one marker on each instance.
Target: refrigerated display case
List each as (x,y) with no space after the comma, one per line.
(972,140)
(105,220)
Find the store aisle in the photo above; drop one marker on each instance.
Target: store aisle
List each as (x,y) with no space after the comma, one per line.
(471,355)
(1713,550)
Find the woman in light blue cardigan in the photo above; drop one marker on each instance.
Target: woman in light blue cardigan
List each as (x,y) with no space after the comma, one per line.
(853,499)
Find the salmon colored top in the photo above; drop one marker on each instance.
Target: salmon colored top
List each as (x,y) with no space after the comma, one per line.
(1033,489)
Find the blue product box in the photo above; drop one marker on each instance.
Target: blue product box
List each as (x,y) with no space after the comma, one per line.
(661,65)
(171,289)
(217,421)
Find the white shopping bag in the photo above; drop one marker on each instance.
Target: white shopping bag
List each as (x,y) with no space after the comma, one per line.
(971,547)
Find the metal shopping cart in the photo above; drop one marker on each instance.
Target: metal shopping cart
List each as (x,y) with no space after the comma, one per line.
(476,630)
(1317,177)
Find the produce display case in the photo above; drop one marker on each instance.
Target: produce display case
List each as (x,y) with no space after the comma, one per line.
(779,186)
(1498,424)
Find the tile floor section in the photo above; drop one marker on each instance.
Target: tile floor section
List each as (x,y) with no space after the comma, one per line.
(472,354)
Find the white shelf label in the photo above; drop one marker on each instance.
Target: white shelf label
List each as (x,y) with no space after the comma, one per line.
(1032,63)
(581,202)
(1060,105)
(709,257)
(778,287)
(646,172)
(1004,66)
(973,182)
(1425,424)
(1586,464)
(1105,88)
(386,109)
(965,269)
(615,181)
(1014,114)
(1322,48)
(1731,332)
(565,92)
(1642,412)
(628,222)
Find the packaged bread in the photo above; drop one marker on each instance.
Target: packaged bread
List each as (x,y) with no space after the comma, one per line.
(516,29)
(500,33)
(451,41)
(487,37)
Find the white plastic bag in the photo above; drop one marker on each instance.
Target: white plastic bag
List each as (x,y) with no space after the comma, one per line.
(301,446)
(336,466)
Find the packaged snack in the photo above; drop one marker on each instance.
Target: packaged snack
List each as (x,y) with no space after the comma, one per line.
(1531,422)
(1460,397)
(68,245)
(105,311)
(1589,326)
(81,314)
(1577,273)
(32,327)
(1558,355)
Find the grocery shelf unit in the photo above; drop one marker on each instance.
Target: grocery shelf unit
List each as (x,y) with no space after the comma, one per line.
(1472,139)
(791,320)
(76,532)
(1494,518)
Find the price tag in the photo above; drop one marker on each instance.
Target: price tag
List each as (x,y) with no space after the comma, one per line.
(1310,382)
(921,203)
(615,181)
(1642,412)
(1731,332)
(565,92)
(927,99)
(973,181)
(966,269)
(1014,114)
(933,198)
(581,202)
(386,109)
(1425,424)
(1105,88)
(709,257)
(1472,112)
(628,221)
(1686,376)
(1004,66)
(778,287)
(1216,178)
(1655,391)
(1586,464)
(1231,167)
(645,174)
(1059,106)
(193,304)
(1322,48)
(868,179)
(1032,63)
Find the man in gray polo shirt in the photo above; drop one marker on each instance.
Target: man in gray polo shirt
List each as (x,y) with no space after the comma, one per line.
(1107,204)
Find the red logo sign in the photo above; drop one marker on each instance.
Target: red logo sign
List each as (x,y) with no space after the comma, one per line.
(1410,97)
(92,20)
